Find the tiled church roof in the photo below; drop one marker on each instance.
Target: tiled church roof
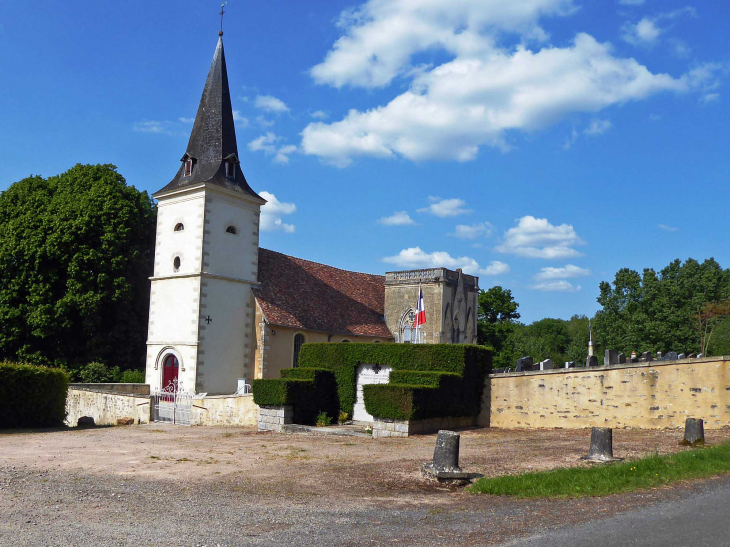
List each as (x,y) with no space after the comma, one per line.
(302,294)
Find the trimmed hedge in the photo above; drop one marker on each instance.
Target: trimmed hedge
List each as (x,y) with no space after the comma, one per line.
(398,401)
(32,396)
(419,377)
(309,390)
(324,398)
(470,362)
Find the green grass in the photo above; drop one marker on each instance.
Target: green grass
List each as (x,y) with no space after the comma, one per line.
(602,480)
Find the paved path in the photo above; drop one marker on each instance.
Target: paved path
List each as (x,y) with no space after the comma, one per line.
(698,520)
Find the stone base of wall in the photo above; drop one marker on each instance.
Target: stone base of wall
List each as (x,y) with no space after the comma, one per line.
(384,427)
(227,410)
(126,389)
(274,418)
(106,406)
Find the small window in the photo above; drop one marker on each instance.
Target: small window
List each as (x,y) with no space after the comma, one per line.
(176,263)
(376,341)
(230,170)
(188,167)
(298,342)
(345,341)
(231,230)
(179,227)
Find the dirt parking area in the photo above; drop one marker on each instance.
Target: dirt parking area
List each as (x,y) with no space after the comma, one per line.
(234,486)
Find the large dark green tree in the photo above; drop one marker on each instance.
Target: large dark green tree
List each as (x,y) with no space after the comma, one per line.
(497,318)
(75,254)
(656,311)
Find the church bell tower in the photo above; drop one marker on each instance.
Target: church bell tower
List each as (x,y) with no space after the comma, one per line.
(206,256)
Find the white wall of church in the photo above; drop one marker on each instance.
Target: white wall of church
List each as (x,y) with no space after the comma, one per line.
(226,254)
(188,209)
(225,342)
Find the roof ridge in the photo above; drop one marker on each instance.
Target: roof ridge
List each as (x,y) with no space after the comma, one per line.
(321,263)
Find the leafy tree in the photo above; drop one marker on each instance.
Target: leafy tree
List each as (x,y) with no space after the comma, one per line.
(708,318)
(656,312)
(75,253)
(497,317)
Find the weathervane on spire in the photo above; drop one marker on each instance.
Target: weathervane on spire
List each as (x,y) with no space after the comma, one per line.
(223,11)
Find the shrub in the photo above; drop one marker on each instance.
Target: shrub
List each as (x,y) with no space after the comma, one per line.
(325,392)
(471,363)
(398,401)
(343,417)
(32,396)
(133,377)
(323,420)
(96,373)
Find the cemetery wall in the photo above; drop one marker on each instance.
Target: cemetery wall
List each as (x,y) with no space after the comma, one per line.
(233,410)
(106,406)
(655,395)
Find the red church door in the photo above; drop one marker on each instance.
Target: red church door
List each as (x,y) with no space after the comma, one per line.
(170,369)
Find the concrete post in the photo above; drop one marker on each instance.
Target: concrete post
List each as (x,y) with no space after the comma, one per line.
(601,445)
(694,432)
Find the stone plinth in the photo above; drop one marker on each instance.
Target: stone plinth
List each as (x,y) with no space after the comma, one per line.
(384,427)
(274,418)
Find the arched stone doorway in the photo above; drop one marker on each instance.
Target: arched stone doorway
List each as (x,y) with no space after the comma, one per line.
(170,369)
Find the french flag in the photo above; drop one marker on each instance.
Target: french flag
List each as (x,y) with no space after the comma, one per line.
(420,310)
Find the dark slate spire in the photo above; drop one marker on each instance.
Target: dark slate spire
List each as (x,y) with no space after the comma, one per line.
(213,140)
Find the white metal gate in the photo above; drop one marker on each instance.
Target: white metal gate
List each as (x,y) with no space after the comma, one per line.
(173,404)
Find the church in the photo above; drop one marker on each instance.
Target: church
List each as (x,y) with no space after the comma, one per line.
(224,311)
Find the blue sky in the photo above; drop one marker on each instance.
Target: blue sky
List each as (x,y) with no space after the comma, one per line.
(541,145)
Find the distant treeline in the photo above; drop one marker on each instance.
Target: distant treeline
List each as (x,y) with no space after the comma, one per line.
(663,311)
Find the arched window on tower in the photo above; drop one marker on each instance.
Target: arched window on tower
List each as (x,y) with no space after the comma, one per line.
(405,327)
(298,343)
(179,227)
(231,230)
(176,264)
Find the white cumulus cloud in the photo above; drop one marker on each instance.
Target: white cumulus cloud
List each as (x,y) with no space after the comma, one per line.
(269,103)
(399,218)
(598,127)
(268,144)
(556,286)
(472,231)
(566,272)
(537,238)
(445,207)
(496,268)
(648,29)
(415,257)
(272,212)
(667,228)
(483,92)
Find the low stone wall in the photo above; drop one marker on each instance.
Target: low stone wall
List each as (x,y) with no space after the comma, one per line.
(274,418)
(127,389)
(384,427)
(106,406)
(654,395)
(234,410)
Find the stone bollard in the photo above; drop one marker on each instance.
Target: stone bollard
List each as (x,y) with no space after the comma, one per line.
(445,464)
(601,446)
(694,432)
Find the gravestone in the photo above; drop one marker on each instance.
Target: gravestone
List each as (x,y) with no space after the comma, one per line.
(547,364)
(621,358)
(694,432)
(670,356)
(681,356)
(524,364)
(610,357)
(659,355)
(591,361)
(569,364)
(646,357)
(691,356)
(366,375)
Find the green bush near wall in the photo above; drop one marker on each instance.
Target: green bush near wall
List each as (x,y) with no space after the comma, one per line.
(470,363)
(324,398)
(32,396)
(426,380)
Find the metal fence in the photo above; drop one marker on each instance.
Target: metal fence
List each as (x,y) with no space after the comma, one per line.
(173,404)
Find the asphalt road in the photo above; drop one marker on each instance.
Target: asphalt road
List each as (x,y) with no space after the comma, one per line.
(699,520)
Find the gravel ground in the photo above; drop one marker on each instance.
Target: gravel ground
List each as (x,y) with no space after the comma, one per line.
(233,486)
